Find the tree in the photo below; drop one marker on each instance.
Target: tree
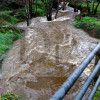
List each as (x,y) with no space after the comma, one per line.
(87,1)
(95,11)
(26,2)
(49,10)
(93,6)
(55,4)
(30,7)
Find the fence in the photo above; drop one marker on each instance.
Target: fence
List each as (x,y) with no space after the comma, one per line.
(66,86)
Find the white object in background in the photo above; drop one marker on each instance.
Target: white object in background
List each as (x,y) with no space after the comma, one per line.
(67,4)
(79,12)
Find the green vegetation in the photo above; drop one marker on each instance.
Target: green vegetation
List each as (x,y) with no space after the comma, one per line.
(9,33)
(7,36)
(97,94)
(84,4)
(89,22)
(38,8)
(11,96)
(9,16)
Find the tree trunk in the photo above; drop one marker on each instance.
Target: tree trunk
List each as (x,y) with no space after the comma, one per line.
(49,12)
(88,6)
(36,8)
(95,11)
(27,12)
(30,7)
(75,8)
(55,4)
(93,6)
(56,14)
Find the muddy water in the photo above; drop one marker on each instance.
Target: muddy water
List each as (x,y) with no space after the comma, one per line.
(39,63)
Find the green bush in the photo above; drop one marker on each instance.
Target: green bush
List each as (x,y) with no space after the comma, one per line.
(89,23)
(38,8)
(7,36)
(88,20)
(11,96)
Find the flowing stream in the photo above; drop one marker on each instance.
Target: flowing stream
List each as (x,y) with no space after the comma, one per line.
(38,64)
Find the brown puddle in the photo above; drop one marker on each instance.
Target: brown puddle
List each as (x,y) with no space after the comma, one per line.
(45,82)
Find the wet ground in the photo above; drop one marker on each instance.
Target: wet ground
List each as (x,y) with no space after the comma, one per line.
(39,63)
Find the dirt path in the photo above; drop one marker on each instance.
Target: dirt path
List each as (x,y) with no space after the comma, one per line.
(39,63)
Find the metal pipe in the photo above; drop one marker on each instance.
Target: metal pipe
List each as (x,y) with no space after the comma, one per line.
(65,87)
(94,89)
(88,82)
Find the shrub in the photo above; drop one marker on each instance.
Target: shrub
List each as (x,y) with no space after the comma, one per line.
(11,96)
(7,36)
(89,24)
(38,8)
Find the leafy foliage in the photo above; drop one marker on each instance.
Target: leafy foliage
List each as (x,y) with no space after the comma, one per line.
(97,94)
(38,7)
(84,4)
(7,36)
(88,20)
(9,33)
(89,24)
(11,96)
(91,6)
